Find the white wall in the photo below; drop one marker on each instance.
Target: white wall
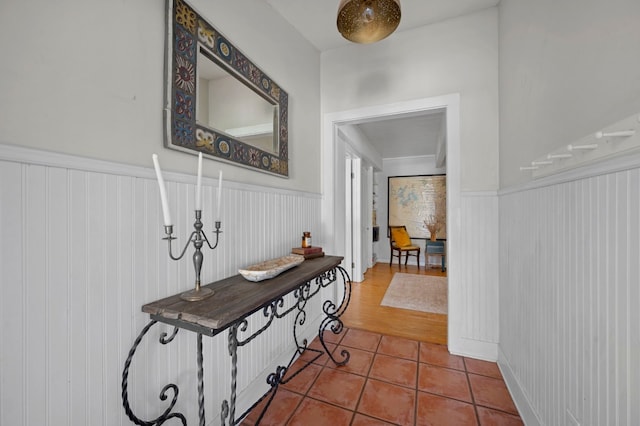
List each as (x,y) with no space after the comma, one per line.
(569,335)
(80,249)
(566,70)
(455,56)
(87,79)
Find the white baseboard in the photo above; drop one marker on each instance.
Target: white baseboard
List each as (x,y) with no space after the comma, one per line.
(520,399)
(477,349)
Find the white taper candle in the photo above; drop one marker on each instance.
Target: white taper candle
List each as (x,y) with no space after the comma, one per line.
(163,192)
(199,184)
(219,195)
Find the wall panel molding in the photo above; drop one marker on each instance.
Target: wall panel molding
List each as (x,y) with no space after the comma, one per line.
(569,292)
(476,314)
(81,251)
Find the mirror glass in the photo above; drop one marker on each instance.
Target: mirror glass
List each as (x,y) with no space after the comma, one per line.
(217,101)
(234,108)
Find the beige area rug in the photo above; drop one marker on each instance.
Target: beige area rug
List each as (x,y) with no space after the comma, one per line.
(417,292)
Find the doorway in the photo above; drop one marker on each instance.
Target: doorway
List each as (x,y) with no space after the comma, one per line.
(334,151)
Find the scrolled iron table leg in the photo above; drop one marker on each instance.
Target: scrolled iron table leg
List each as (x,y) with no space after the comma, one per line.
(333,321)
(229,407)
(167,414)
(200,382)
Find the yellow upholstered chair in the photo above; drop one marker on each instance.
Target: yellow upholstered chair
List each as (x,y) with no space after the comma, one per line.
(400,242)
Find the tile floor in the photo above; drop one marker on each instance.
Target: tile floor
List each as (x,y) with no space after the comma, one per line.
(390,381)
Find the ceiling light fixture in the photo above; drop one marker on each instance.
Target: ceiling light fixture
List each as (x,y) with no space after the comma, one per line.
(368,21)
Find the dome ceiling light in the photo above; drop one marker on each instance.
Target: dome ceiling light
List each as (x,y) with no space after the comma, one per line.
(368,21)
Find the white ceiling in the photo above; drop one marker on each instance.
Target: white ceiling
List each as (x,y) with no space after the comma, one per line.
(405,136)
(400,136)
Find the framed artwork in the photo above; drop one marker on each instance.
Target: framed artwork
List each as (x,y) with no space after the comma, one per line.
(419,203)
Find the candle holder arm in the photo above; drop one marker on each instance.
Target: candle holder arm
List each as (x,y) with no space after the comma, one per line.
(217,232)
(170,237)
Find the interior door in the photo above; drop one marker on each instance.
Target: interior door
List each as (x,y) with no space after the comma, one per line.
(366,189)
(348,216)
(353,217)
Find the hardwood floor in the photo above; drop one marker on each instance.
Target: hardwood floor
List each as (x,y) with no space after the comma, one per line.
(365,313)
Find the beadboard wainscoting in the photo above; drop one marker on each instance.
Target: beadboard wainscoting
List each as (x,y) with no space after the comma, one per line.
(81,251)
(570,296)
(473,302)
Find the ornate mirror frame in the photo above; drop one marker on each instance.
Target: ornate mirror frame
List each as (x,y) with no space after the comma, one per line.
(187,34)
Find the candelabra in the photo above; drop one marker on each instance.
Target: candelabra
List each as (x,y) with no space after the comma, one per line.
(198,238)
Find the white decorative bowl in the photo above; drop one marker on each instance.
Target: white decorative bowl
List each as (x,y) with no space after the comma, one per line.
(270,268)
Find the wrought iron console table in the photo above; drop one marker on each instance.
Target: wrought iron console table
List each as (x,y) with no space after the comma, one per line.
(233,301)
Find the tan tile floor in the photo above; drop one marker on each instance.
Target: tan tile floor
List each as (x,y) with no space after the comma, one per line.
(391,381)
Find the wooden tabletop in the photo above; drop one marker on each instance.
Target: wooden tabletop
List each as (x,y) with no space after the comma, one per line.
(235,298)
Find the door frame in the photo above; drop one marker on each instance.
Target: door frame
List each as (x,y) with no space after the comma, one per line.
(333,183)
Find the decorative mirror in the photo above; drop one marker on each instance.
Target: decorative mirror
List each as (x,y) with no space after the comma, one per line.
(217,101)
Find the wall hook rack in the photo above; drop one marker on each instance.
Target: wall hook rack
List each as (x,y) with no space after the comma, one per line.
(542,163)
(619,138)
(552,156)
(619,134)
(582,147)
